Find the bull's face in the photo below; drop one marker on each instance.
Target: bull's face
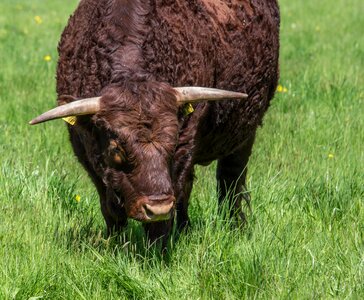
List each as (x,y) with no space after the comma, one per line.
(134,136)
(136,145)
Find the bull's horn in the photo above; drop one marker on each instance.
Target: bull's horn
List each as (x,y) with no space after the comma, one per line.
(91,106)
(87,106)
(197,94)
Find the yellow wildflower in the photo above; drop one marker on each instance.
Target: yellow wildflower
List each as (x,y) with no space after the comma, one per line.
(281,89)
(331,156)
(78,198)
(47,58)
(38,20)
(317,28)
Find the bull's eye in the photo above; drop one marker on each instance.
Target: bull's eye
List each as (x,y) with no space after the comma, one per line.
(116,155)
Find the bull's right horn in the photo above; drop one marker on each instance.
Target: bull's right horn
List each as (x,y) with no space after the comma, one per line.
(87,106)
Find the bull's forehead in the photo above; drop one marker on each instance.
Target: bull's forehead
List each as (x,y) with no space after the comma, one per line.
(143,128)
(136,115)
(141,138)
(134,133)
(140,128)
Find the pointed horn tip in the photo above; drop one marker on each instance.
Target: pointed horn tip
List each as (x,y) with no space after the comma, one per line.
(243,95)
(34,122)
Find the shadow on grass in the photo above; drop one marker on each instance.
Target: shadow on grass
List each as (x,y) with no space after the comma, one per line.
(77,233)
(79,228)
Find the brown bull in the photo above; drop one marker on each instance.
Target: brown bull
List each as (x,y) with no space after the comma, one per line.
(128,69)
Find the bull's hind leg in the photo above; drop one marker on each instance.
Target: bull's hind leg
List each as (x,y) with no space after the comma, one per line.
(231,175)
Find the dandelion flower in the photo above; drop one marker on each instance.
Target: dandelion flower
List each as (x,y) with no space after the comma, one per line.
(281,89)
(38,20)
(78,198)
(331,156)
(47,58)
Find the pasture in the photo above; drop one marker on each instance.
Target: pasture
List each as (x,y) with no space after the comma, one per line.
(305,236)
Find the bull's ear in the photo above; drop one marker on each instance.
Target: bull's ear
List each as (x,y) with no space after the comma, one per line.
(191,94)
(87,106)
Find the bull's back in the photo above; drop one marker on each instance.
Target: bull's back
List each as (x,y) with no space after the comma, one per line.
(231,45)
(203,42)
(196,41)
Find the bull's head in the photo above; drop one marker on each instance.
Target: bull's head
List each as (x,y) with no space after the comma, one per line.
(136,146)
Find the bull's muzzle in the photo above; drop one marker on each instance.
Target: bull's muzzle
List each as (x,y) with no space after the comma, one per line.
(155,213)
(155,208)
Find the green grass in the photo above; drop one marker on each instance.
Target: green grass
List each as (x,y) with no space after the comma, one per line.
(305,238)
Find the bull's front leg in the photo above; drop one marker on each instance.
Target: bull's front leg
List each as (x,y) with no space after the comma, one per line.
(231,176)
(183,190)
(183,183)
(114,214)
(159,231)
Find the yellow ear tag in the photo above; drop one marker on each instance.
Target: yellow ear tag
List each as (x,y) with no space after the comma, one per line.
(70,120)
(188,109)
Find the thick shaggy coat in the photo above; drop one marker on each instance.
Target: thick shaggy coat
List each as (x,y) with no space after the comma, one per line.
(141,146)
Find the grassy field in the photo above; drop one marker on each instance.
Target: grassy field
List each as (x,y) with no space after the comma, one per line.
(305,238)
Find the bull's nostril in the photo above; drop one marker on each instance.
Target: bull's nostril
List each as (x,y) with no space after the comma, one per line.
(148,212)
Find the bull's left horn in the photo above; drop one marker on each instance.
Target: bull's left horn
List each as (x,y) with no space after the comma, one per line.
(193,94)
(87,106)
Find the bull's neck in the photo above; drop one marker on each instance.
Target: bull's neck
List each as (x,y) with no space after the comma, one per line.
(128,25)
